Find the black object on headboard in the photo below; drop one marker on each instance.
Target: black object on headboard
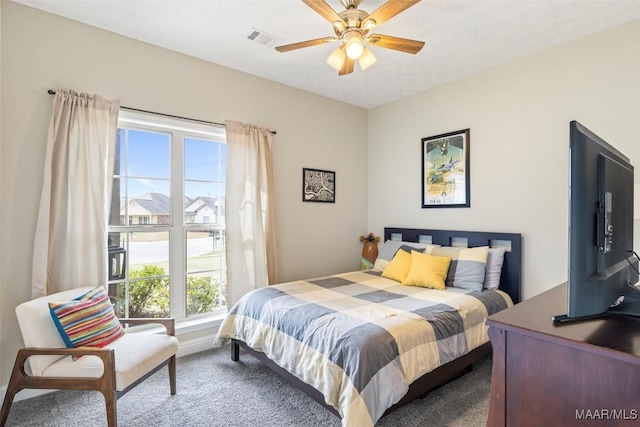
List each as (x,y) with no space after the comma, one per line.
(511,275)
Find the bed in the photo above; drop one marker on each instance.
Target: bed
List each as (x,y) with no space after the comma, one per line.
(362,344)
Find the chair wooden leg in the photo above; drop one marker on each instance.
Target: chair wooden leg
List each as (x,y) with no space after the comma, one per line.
(110,400)
(6,404)
(172,374)
(14,386)
(107,386)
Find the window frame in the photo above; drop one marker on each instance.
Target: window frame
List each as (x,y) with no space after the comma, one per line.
(179,129)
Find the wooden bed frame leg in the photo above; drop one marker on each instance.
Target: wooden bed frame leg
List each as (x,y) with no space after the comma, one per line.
(235,351)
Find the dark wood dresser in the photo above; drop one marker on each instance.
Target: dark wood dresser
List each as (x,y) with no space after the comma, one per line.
(575,374)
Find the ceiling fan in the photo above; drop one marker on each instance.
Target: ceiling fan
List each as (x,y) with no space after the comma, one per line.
(352,27)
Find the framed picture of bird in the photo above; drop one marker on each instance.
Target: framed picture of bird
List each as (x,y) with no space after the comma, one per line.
(445,170)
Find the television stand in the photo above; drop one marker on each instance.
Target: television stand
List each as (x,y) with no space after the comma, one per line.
(548,375)
(563,318)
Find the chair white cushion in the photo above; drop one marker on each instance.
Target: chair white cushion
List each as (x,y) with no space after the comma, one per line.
(135,353)
(38,329)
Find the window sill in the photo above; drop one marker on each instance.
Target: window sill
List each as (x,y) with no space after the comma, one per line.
(187,326)
(194,335)
(183,326)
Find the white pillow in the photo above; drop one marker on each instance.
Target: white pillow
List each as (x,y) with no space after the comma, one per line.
(494,268)
(380,264)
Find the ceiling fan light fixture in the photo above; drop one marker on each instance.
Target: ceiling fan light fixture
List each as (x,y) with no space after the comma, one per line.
(367,59)
(336,59)
(354,47)
(339,27)
(367,25)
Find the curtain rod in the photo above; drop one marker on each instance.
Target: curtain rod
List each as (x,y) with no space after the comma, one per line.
(272,132)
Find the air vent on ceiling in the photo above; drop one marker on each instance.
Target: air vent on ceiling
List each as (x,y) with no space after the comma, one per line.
(264,38)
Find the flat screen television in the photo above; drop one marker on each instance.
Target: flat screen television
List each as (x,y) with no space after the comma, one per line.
(603,268)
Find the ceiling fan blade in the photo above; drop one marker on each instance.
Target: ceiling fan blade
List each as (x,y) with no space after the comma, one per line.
(387,11)
(347,66)
(324,10)
(307,43)
(395,43)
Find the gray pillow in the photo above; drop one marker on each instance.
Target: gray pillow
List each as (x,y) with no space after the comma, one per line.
(467,268)
(494,268)
(390,247)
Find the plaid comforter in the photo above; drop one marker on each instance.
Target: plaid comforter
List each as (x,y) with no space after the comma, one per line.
(359,338)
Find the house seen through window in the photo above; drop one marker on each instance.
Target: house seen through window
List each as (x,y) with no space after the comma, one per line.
(166,225)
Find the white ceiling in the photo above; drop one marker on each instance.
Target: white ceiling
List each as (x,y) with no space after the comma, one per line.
(462,37)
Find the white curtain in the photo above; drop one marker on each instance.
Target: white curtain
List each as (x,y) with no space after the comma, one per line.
(250,215)
(70,245)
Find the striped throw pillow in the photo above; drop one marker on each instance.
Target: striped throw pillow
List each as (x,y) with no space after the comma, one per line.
(88,320)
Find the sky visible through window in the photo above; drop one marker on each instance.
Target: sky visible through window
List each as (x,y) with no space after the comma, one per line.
(147,164)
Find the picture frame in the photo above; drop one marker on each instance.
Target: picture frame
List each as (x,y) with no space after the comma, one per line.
(445,170)
(318,185)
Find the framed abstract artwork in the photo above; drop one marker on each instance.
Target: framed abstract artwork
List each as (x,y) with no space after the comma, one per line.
(318,185)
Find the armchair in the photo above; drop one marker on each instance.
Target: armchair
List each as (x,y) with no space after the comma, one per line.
(112,370)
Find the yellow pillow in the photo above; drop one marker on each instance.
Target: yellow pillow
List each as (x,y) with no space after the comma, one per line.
(427,271)
(398,267)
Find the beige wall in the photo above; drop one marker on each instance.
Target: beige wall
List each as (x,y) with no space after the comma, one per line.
(519,117)
(41,51)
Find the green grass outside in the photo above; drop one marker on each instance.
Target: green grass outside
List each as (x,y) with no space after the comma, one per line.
(210,261)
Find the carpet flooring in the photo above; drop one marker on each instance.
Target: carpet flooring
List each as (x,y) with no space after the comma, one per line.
(213,391)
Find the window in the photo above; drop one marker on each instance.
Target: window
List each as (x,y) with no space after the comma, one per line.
(166,225)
